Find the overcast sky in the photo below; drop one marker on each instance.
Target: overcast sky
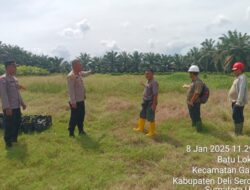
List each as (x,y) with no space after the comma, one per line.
(67,27)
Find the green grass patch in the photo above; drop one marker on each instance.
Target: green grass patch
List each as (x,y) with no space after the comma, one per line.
(48,87)
(113,156)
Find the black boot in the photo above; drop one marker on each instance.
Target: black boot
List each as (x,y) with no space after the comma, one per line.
(8,145)
(199,126)
(241,128)
(82,133)
(238,129)
(71,132)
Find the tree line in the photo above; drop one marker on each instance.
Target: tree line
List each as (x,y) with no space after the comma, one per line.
(211,56)
(23,57)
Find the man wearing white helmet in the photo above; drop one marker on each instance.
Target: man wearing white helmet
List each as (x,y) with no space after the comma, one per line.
(193,97)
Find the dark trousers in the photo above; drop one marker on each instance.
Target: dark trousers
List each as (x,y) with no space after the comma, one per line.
(77,117)
(238,115)
(147,112)
(11,126)
(195,113)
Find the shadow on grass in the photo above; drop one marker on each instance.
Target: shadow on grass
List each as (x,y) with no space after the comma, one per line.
(246,132)
(220,134)
(89,143)
(17,152)
(162,138)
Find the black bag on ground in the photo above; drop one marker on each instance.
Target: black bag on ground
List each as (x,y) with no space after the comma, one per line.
(42,123)
(204,94)
(35,123)
(26,124)
(32,123)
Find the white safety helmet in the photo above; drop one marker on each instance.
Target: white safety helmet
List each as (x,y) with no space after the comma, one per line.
(194,69)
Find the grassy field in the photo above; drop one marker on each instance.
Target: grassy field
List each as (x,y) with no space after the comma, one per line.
(112,156)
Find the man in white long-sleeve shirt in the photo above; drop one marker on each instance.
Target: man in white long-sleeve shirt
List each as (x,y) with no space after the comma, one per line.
(238,96)
(77,96)
(11,103)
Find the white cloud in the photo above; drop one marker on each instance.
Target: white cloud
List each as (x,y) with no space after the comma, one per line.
(36,50)
(61,51)
(152,43)
(220,21)
(150,28)
(69,32)
(135,22)
(178,46)
(248,13)
(110,45)
(83,25)
(78,30)
(126,24)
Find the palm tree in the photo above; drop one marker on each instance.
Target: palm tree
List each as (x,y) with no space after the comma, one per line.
(178,63)
(136,61)
(151,60)
(193,57)
(166,61)
(234,46)
(85,59)
(110,61)
(55,63)
(65,67)
(207,54)
(95,64)
(124,62)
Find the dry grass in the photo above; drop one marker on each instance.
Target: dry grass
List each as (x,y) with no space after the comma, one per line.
(115,104)
(113,156)
(171,107)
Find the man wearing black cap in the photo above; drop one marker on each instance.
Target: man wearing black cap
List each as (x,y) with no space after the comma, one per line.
(11,103)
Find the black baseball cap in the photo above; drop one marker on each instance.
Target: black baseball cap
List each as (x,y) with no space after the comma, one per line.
(149,69)
(10,62)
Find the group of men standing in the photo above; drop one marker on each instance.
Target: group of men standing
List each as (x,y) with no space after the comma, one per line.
(238,96)
(12,100)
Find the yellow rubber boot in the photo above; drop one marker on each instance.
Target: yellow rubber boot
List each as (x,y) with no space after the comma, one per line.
(151,131)
(141,124)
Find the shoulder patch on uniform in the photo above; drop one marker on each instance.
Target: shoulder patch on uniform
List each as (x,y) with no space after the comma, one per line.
(3,79)
(71,76)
